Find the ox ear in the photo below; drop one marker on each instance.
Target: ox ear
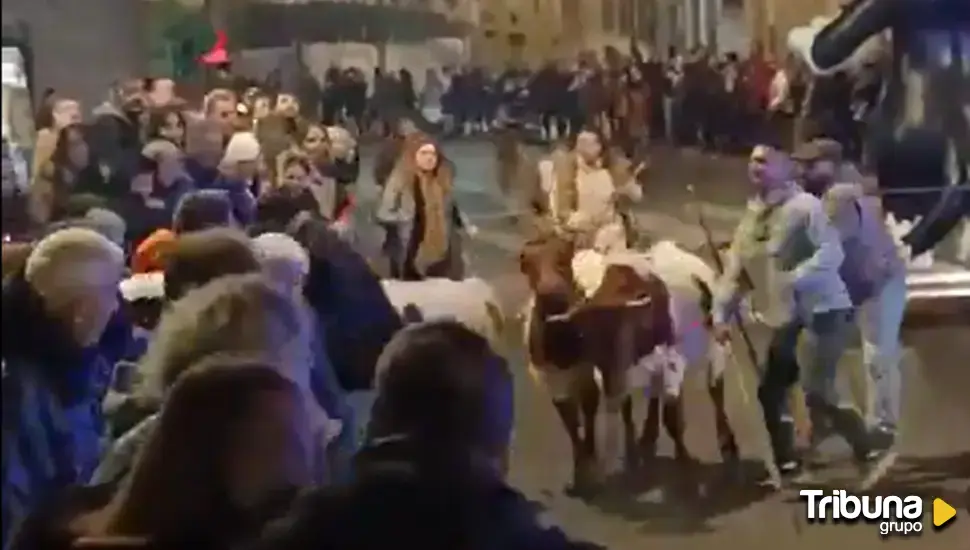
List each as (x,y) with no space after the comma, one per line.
(411,314)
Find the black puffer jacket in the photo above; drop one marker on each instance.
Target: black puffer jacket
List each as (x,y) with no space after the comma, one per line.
(403,500)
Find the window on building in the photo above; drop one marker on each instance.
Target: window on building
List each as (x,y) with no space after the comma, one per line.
(674,22)
(609,15)
(625,17)
(646,26)
(517,40)
(18,111)
(569,8)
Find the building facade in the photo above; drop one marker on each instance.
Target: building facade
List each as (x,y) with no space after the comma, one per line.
(770,20)
(79,47)
(530,32)
(516,32)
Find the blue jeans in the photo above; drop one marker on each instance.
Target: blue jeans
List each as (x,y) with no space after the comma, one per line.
(831,331)
(881,318)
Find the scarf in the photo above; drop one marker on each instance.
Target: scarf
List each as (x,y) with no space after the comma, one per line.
(434,242)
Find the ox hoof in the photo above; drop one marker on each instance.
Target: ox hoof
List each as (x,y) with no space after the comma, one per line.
(732,469)
(647,452)
(683,457)
(633,462)
(588,480)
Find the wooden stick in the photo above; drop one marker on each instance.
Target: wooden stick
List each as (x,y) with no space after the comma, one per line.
(767,454)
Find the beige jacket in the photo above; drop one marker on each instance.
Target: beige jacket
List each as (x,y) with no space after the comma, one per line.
(588,200)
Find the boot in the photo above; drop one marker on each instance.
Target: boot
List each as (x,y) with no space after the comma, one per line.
(846,423)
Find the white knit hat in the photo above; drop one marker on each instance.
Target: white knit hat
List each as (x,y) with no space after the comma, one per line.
(143,286)
(243,147)
(282,249)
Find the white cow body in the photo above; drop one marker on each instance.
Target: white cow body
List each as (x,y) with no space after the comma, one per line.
(680,271)
(472,302)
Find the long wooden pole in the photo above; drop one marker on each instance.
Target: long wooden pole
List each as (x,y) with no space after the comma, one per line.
(768,455)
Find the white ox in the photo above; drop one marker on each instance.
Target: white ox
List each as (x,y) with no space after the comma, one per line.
(687,278)
(662,345)
(472,302)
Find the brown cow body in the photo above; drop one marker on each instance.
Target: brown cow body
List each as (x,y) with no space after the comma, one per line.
(625,332)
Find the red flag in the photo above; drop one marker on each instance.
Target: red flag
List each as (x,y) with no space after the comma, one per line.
(218,54)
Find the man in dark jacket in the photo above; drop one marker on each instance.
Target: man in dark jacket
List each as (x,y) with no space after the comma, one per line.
(115,134)
(431,473)
(53,372)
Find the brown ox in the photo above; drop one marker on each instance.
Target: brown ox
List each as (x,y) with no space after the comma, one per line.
(626,332)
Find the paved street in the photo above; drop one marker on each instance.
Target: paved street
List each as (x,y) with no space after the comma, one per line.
(692,510)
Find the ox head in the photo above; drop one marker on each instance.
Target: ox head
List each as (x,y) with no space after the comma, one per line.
(546,262)
(623,321)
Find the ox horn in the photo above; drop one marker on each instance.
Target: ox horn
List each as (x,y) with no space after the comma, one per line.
(567,316)
(560,318)
(639,302)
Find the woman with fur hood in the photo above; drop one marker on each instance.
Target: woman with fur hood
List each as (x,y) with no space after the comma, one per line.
(418,211)
(590,190)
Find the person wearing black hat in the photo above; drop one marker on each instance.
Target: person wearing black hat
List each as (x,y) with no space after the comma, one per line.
(805,293)
(874,275)
(820,161)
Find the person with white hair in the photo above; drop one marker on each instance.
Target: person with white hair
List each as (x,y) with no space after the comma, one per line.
(54,314)
(284,260)
(287,264)
(242,315)
(239,175)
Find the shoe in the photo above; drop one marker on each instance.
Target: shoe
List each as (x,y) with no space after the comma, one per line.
(789,472)
(877,466)
(803,477)
(881,439)
(880,459)
(814,457)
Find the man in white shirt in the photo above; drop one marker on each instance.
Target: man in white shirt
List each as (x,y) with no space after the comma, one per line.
(805,292)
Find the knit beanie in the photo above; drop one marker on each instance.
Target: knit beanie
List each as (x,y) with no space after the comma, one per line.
(242,147)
